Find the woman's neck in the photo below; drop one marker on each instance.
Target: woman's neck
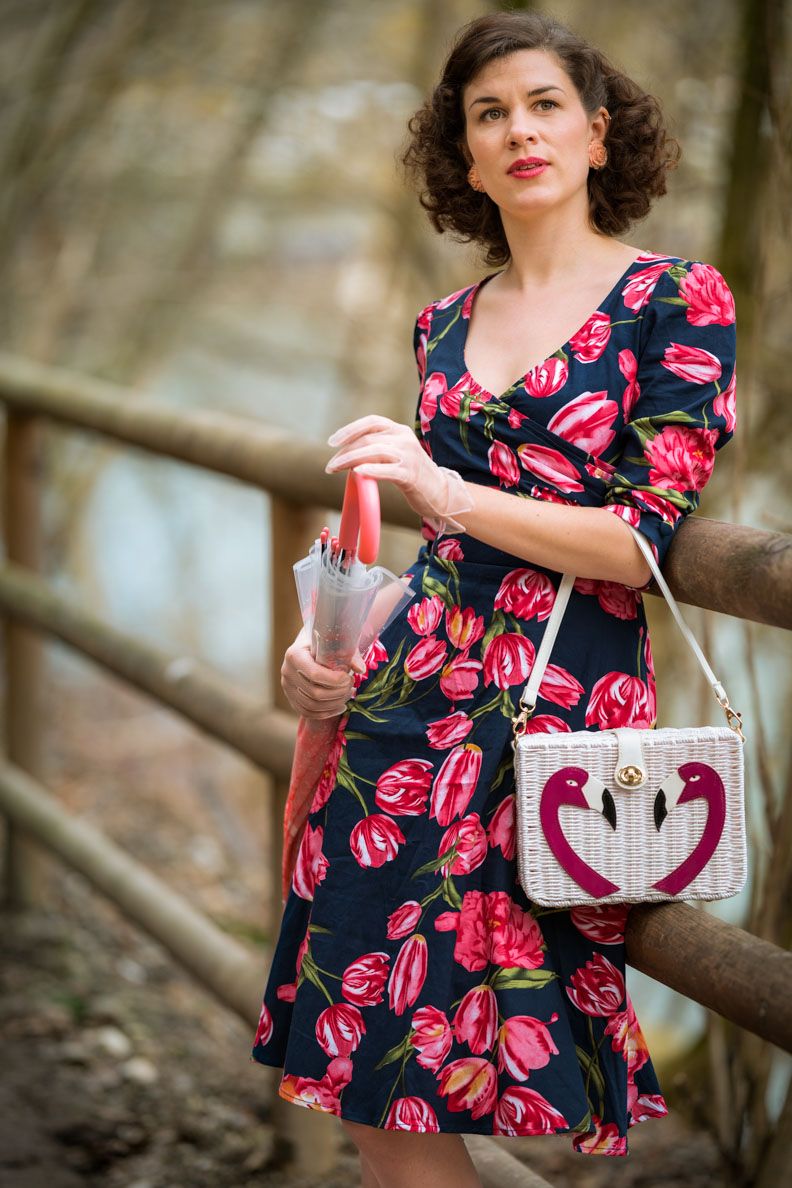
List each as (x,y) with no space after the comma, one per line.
(552,249)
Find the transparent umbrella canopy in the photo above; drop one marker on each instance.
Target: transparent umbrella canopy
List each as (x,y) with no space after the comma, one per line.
(346,602)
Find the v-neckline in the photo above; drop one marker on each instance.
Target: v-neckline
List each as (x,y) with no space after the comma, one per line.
(522,379)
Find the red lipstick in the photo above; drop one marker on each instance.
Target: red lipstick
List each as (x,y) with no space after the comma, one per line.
(527,167)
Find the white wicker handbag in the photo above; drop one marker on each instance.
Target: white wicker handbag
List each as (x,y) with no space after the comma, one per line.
(628,816)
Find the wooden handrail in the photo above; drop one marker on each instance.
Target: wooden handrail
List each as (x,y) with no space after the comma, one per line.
(721,966)
(264,735)
(237,446)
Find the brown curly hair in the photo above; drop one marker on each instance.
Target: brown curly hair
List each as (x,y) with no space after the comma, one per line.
(639,152)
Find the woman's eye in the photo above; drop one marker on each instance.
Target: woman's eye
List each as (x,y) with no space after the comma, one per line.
(492,113)
(547,104)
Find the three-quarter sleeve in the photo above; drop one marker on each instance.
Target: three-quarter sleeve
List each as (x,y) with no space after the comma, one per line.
(679,401)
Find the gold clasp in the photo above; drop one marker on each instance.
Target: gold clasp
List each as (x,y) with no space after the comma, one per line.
(733,717)
(630,776)
(520,721)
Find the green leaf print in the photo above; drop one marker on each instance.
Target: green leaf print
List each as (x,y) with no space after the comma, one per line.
(672,301)
(497,627)
(506,704)
(437,336)
(493,409)
(453,573)
(506,764)
(646,430)
(677,272)
(522,979)
(408,684)
(345,778)
(372,717)
(309,971)
(632,490)
(591,1067)
(436,863)
(584,1125)
(451,895)
(397,1053)
(383,681)
(432,585)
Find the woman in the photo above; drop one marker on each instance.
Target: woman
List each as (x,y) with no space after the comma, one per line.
(414,987)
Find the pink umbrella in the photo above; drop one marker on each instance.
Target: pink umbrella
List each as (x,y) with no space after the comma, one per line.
(344,606)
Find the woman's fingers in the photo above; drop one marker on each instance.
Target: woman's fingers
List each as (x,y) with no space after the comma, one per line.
(313,690)
(369,424)
(310,706)
(300,668)
(364,453)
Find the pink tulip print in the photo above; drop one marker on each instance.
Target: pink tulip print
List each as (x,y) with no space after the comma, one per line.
(469,1084)
(590,341)
(455,783)
(588,422)
(408,974)
(431,1036)
(708,297)
(364,980)
(339,1029)
(476,1020)
(524,1111)
(525,1044)
(548,378)
(375,840)
(403,790)
(412,1113)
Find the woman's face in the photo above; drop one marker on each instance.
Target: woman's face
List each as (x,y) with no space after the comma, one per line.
(529,134)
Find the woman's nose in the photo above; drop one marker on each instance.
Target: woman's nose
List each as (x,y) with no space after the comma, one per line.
(520,129)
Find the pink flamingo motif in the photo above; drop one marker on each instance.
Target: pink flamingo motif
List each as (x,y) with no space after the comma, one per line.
(574,785)
(692,781)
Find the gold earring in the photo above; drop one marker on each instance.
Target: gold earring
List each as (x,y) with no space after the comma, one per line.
(597,154)
(475,180)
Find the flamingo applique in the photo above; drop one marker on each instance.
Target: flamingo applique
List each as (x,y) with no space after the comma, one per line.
(692,781)
(574,785)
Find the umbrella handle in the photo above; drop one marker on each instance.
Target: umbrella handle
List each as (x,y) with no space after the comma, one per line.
(360,515)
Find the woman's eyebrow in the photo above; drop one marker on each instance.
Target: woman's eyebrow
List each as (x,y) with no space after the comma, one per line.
(531,94)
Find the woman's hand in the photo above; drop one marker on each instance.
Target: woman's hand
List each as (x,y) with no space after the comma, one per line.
(313,690)
(382,449)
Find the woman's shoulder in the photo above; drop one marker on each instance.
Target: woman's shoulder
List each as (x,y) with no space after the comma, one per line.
(676,286)
(459,303)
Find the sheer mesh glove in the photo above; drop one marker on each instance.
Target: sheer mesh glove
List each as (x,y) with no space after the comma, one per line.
(382,449)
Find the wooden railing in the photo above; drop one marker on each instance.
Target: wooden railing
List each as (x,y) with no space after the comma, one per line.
(738,570)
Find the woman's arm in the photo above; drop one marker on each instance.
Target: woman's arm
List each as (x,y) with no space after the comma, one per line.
(587,541)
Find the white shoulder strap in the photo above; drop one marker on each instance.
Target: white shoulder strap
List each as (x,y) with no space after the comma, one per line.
(531,690)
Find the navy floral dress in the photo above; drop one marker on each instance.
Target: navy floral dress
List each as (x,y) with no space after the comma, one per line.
(414,986)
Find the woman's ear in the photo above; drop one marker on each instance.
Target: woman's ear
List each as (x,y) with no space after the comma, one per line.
(599,123)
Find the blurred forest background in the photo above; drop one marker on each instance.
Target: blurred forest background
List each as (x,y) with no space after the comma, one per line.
(200,200)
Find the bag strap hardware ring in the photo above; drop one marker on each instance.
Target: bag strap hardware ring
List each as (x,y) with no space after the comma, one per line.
(733,717)
(520,721)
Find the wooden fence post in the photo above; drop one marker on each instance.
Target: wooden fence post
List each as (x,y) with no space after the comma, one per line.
(312,1135)
(24,649)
